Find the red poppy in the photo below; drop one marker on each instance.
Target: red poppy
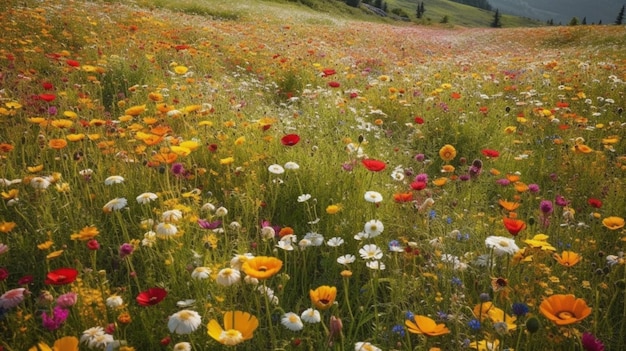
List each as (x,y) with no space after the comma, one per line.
(490,153)
(47,97)
(151,296)
(354,95)
(290,139)
(181,47)
(455,95)
(514,226)
(334,84)
(403,197)
(596,203)
(47,85)
(418,185)
(73,63)
(328,72)
(373,165)
(61,276)
(483,109)
(419,120)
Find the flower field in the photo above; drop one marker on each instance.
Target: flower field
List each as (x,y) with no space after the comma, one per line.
(209,178)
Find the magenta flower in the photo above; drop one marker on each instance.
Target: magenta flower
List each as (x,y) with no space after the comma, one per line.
(54,322)
(126,249)
(67,300)
(591,343)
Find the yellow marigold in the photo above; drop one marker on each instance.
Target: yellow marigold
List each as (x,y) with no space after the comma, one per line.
(227,160)
(135,110)
(333,209)
(6,227)
(447,152)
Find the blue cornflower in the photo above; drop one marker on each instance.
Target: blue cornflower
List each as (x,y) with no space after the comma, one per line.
(398,329)
(474,324)
(456,281)
(520,309)
(409,315)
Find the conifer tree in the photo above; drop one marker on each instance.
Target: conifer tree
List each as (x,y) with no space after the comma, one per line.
(353,3)
(620,16)
(497,23)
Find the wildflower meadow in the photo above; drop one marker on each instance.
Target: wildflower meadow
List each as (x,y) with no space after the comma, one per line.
(250,175)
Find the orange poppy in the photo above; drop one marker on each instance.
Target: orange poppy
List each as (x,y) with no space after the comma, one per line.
(403,197)
(564,309)
(567,258)
(508,205)
(613,222)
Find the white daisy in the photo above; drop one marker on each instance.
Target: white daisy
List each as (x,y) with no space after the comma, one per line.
(228,276)
(171,215)
(166,229)
(375,265)
(201,273)
(501,245)
(304,197)
(221,212)
(40,183)
(315,238)
(373,196)
(146,198)
(304,243)
(114,205)
(268,232)
(114,180)
(292,166)
(182,346)
(373,228)
(292,321)
(311,315)
(346,259)
(184,322)
(365,346)
(371,252)
(335,242)
(276,169)
(237,261)
(114,301)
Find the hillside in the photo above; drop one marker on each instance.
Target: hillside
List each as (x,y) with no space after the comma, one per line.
(562,11)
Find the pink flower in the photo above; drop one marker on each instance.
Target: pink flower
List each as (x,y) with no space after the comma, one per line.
(12,298)
(67,300)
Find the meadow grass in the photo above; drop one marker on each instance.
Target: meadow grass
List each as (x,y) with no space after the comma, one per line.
(431,188)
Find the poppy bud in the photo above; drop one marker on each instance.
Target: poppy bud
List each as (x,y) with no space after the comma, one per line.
(335,327)
(532,325)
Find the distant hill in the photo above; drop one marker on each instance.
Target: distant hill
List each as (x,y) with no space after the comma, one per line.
(562,11)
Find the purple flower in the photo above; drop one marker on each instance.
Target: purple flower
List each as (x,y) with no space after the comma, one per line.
(177,168)
(53,322)
(347,166)
(546,206)
(422,177)
(204,224)
(464,177)
(591,343)
(503,181)
(67,300)
(420,157)
(560,201)
(533,188)
(126,249)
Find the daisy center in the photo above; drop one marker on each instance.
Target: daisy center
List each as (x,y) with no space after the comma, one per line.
(231,337)
(503,243)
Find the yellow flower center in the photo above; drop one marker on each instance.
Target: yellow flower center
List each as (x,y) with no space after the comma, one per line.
(184,315)
(565,315)
(504,243)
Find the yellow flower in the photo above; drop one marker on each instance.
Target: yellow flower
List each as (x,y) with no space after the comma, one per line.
(323,297)
(6,227)
(447,152)
(181,69)
(262,267)
(87,233)
(227,160)
(333,209)
(238,327)
(54,254)
(567,258)
(426,326)
(135,110)
(440,181)
(613,222)
(66,343)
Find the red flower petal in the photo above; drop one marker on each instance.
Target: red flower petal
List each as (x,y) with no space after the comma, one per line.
(490,153)
(47,97)
(514,226)
(73,63)
(290,139)
(151,296)
(596,203)
(61,276)
(334,84)
(417,185)
(328,72)
(373,165)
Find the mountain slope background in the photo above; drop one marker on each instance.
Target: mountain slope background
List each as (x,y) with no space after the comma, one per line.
(562,11)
